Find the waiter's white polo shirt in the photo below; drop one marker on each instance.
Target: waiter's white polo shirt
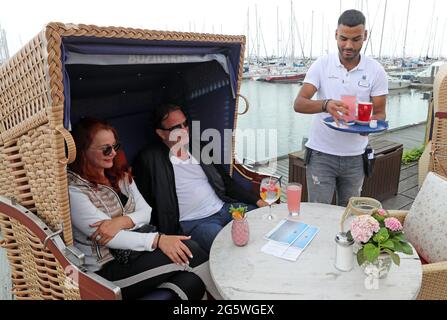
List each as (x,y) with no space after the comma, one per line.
(332,80)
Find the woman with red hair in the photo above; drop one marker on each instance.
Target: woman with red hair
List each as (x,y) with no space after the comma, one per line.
(106,209)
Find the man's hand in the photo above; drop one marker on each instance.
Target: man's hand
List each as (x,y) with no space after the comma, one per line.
(337,109)
(174,248)
(107,229)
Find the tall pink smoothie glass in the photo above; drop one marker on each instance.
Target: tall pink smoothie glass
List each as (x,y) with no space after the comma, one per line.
(293,192)
(351,102)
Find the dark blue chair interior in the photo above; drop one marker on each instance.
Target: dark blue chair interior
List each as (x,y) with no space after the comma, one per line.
(125,95)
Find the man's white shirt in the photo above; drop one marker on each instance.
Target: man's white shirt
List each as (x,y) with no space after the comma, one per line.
(196,198)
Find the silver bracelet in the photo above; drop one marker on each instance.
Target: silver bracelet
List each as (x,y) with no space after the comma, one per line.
(324,106)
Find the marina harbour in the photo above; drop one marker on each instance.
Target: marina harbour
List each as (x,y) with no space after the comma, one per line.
(271,108)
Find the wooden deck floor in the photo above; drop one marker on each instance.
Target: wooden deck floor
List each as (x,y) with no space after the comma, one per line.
(408,189)
(411,137)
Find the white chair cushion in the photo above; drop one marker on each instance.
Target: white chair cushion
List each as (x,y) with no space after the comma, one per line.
(425,226)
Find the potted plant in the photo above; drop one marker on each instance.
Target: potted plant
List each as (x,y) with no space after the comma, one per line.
(379,236)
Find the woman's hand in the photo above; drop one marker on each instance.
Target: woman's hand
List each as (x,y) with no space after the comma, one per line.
(261,203)
(174,248)
(107,229)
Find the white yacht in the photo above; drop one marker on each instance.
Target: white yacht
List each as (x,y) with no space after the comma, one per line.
(397,83)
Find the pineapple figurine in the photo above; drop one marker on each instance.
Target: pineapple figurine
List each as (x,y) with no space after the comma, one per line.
(239,227)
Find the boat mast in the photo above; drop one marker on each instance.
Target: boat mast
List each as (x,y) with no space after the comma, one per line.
(257,35)
(441,43)
(263,41)
(431,28)
(277,31)
(434,38)
(292,56)
(299,39)
(371,28)
(383,28)
(248,35)
(406,30)
(292,35)
(311,34)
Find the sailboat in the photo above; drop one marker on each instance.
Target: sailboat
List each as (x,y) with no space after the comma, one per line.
(287,76)
(428,75)
(294,73)
(395,83)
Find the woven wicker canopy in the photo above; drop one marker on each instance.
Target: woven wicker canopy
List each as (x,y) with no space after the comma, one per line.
(43,92)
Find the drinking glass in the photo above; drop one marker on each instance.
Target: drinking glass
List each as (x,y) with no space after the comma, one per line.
(350,101)
(365,111)
(270,192)
(293,192)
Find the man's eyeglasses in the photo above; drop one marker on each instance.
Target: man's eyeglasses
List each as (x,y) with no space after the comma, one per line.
(182,125)
(107,150)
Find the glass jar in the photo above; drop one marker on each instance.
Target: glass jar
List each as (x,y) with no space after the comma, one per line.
(379,268)
(240,232)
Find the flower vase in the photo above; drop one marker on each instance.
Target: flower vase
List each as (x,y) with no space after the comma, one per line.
(240,232)
(379,268)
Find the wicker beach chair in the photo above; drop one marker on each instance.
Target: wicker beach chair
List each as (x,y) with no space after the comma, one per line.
(424,226)
(438,159)
(118,74)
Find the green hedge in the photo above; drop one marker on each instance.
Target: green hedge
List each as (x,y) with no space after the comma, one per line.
(412,155)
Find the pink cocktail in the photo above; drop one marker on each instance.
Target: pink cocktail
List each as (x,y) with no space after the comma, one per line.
(350,101)
(294,198)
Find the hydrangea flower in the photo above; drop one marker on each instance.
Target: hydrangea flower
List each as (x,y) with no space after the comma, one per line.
(393,224)
(363,228)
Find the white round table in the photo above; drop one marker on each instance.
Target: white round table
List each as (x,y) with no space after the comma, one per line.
(243,273)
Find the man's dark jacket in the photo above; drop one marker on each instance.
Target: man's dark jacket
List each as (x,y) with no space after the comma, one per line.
(154,176)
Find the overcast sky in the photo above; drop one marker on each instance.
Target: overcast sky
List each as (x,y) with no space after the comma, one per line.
(426,28)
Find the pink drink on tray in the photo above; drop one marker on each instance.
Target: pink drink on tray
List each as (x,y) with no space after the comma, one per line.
(350,101)
(294,198)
